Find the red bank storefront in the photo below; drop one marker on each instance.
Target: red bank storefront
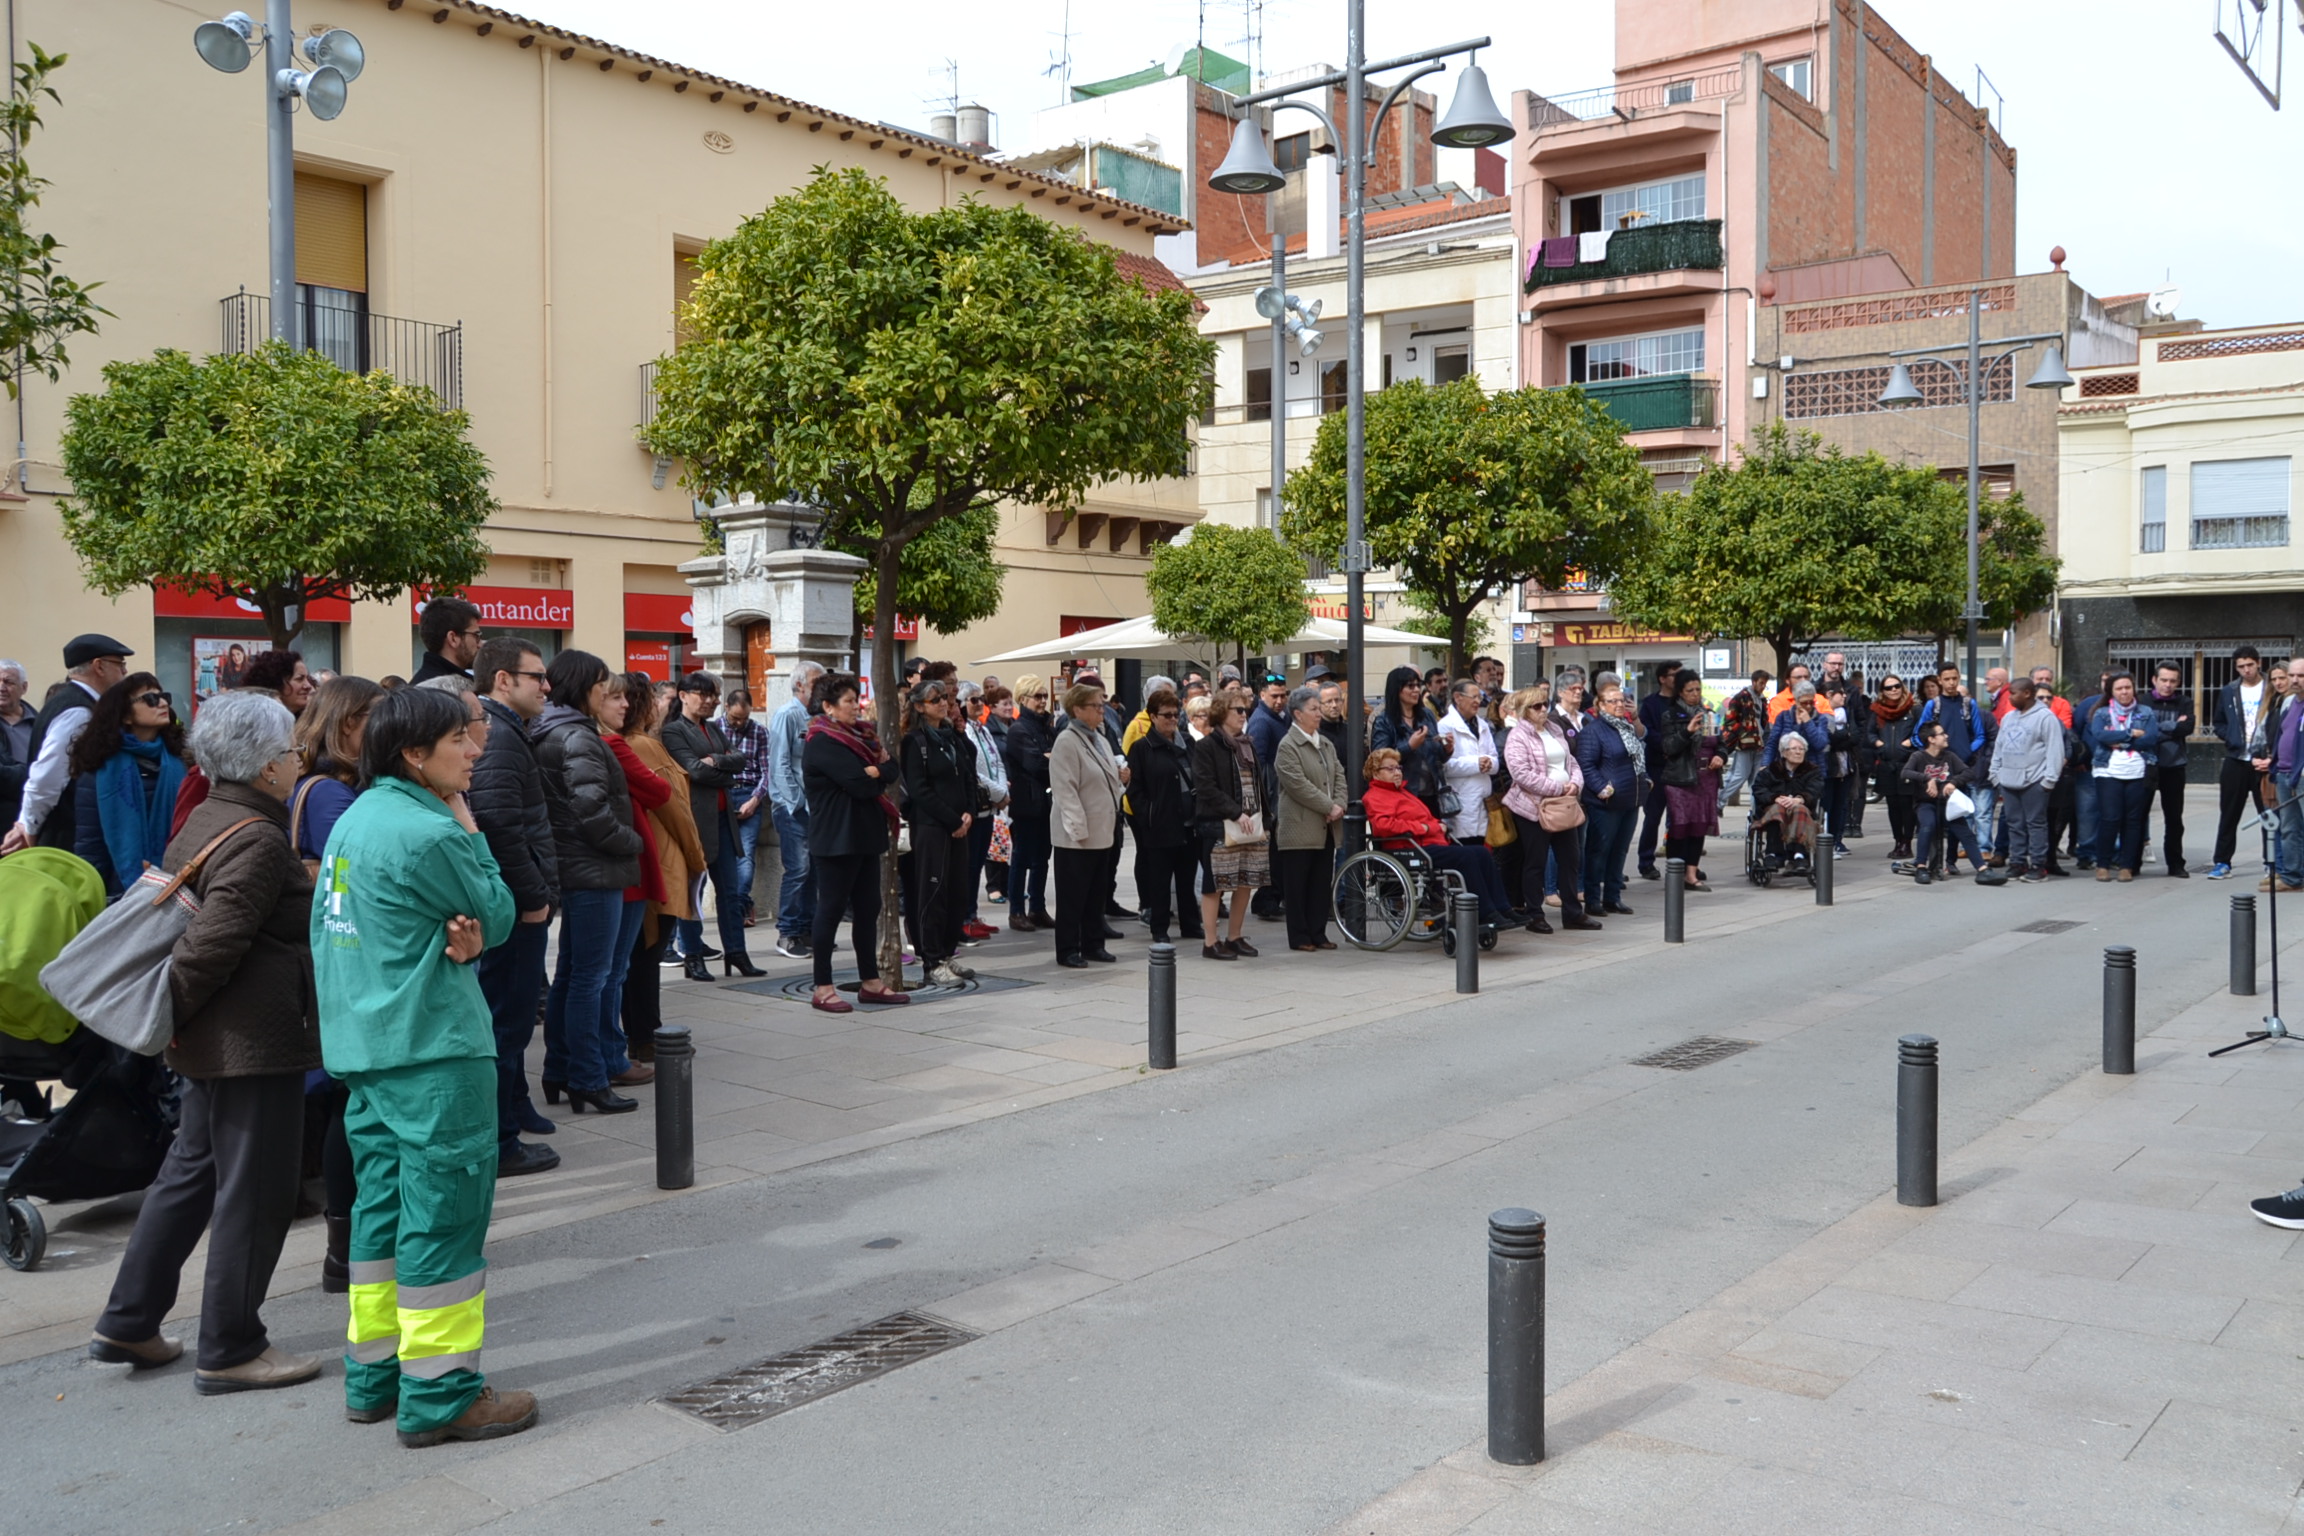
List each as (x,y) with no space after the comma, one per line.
(659,634)
(542,616)
(202,643)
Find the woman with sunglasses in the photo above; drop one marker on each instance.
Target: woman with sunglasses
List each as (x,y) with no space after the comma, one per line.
(126,769)
(1895,710)
(1031,737)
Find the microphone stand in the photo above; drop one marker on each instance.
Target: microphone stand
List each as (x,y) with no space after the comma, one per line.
(2267,823)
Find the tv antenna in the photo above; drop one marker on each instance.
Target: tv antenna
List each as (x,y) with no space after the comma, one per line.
(2252,33)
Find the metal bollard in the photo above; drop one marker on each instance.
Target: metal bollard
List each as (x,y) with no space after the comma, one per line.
(675,1108)
(2120,1010)
(1823,859)
(1916,1120)
(1464,914)
(1160,1048)
(1516,1337)
(2243,946)
(1675,901)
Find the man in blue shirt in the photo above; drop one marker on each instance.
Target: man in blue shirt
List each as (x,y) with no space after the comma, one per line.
(788,808)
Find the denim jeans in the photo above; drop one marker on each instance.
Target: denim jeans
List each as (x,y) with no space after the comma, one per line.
(597,929)
(1962,832)
(2084,816)
(747,855)
(1987,801)
(2024,825)
(1607,840)
(512,980)
(2288,831)
(726,896)
(2120,808)
(1741,767)
(796,893)
(1028,851)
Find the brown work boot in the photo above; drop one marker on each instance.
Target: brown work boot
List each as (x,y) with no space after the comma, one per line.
(273,1368)
(492,1416)
(155,1351)
(633,1076)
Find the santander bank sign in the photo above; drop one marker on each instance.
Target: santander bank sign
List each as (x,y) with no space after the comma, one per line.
(515,607)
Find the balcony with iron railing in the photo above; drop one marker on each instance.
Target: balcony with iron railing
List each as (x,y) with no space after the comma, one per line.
(1683,245)
(1663,402)
(415,352)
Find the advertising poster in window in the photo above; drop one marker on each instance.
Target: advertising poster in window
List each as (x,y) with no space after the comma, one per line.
(218,664)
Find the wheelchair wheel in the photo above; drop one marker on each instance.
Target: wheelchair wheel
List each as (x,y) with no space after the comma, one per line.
(1448,942)
(1487,935)
(1375,900)
(27,1236)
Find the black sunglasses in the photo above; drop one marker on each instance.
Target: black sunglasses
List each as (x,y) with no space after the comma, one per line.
(156,700)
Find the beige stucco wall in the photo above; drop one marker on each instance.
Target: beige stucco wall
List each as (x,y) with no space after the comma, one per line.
(536,199)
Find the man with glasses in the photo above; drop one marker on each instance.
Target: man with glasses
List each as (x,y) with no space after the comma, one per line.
(16,723)
(450,629)
(507,804)
(47,812)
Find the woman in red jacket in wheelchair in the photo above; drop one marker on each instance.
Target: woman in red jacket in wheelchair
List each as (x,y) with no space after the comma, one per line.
(1397,820)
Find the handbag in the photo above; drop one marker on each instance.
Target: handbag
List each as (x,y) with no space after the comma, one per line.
(1957,805)
(1451,805)
(1235,838)
(1560,813)
(113,976)
(1503,826)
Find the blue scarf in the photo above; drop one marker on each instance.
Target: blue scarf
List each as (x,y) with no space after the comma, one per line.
(136,827)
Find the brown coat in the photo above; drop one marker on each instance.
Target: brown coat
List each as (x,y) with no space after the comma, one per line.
(679,851)
(242,972)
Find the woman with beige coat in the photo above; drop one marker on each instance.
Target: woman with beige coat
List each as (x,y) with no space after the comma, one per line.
(1084,782)
(679,859)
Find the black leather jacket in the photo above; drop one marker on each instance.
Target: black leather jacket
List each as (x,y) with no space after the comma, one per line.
(591,809)
(508,805)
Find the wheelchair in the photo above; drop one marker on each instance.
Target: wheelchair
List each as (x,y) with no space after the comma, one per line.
(1386,894)
(1799,864)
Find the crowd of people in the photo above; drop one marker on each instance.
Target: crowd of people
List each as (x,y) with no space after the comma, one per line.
(373,952)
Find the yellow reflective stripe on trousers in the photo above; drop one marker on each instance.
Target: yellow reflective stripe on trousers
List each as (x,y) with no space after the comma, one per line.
(374,1331)
(441,1325)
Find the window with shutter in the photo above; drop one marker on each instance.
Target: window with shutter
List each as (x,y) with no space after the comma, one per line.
(2240,504)
(2152,496)
(332,268)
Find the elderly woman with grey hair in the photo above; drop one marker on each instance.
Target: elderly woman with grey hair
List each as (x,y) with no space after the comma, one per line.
(1313,793)
(240,981)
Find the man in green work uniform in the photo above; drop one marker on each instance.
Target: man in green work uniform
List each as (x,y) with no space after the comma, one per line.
(408,897)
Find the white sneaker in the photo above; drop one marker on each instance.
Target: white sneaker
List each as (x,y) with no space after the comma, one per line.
(946,975)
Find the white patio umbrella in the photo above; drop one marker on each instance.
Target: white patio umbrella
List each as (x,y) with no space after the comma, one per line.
(1141,637)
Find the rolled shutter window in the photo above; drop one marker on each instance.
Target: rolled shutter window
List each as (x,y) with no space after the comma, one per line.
(331,233)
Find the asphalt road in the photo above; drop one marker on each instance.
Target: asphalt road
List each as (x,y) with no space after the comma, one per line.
(1271,1385)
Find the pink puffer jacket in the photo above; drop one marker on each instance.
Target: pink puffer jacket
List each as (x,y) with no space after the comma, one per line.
(1541,766)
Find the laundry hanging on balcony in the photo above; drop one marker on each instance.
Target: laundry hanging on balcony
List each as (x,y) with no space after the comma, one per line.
(1592,246)
(1559,251)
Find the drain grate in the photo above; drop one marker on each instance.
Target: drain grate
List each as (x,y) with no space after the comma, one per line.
(799,989)
(1688,1055)
(2049,925)
(744,1397)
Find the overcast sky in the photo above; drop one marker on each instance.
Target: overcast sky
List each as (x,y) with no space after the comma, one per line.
(2141,149)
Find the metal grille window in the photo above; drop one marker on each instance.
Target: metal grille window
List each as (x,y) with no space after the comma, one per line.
(2240,504)
(1636,357)
(1658,202)
(1856,391)
(2152,496)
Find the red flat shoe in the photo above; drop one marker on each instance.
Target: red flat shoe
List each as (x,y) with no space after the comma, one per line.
(834,1004)
(883,995)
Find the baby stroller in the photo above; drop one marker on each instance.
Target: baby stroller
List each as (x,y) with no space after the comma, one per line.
(1763,868)
(109,1139)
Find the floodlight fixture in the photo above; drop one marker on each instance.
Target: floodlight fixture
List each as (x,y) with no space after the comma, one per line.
(1271,303)
(322,89)
(225,44)
(337,49)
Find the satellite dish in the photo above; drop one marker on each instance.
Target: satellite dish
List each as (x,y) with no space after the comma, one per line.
(2163,301)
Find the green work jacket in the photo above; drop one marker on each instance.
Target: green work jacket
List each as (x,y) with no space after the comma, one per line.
(397,867)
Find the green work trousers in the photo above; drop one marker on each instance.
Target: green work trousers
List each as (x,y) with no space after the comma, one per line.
(424,1152)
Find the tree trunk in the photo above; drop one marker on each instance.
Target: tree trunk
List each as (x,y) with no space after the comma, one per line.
(1458,664)
(888,714)
(1782,645)
(274,603)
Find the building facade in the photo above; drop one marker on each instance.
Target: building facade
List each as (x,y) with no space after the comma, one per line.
(506,211)
(2180,477)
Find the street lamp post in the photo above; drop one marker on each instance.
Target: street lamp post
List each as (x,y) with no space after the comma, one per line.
(1472,121)
(1901,391)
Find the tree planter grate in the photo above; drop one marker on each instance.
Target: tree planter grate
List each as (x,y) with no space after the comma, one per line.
(761,1391)
(800,988)
(1688,1055)
(2049,925)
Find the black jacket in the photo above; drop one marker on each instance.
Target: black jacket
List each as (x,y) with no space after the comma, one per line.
(1674,757)
(2230,728)
(63,824)
(2178,724)
(433,665)
(597,847)
(1215,779)
(939,778)
(1891,743)
(508,805)
(1957,771)
(1776,779)
(1026,751)
(844,815)
(12,775)
(703,753)
(1161,801)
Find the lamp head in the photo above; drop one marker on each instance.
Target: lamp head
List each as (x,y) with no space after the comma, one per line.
(323,90)
(1309,309)
(338,49)
(1308,341)
(2052,374)
(1900,390)
(1473,121)
(1248,169)
(1271,303)
(224,44)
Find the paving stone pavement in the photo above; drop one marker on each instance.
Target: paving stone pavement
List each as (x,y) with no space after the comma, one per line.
(2089,1333)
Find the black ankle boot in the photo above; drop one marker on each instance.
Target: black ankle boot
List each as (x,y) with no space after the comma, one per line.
(336,1264)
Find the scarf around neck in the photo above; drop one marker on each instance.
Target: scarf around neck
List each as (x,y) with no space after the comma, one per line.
(863,742)
(135,825)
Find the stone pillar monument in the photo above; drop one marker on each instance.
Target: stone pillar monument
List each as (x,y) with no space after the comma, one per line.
(769,571)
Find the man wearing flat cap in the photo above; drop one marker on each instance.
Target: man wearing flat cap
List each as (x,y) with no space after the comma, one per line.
(93,663)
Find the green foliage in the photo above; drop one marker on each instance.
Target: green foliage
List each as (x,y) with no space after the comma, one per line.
(1796,541)
(948,580)
(1239,588)
(39,306)
(1424,618)
(1469,492)
(272,476)
(2015,574)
